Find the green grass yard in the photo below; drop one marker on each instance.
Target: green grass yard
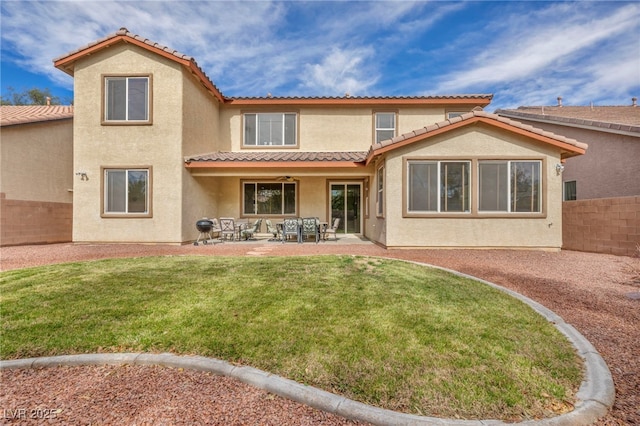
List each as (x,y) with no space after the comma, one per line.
(384,332)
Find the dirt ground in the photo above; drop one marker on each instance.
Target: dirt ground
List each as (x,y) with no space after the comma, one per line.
(598,294)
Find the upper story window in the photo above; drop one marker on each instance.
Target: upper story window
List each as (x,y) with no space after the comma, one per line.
(385,125)
(270,129)
(127,100)
(510,186)
(454,114)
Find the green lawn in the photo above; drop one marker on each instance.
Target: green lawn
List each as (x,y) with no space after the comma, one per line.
(384,332)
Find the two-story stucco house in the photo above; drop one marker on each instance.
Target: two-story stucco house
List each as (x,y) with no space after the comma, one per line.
(163,147)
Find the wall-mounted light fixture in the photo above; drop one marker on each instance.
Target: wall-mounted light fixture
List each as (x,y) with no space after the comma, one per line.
(83,175)
(559,168)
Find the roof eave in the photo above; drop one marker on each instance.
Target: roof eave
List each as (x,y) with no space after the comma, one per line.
(483,100)
(271,164)
(567,149)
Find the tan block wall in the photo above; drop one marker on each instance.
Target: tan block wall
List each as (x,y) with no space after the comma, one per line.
(604,225)
(34,222)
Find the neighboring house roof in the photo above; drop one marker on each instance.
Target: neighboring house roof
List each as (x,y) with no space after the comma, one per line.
(11,115)
(615,119)
(66,63)
(569,147)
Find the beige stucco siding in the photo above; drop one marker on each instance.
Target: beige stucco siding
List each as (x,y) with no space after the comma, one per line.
(199,135)
(410,119)
(328,128)
(469,143)
(37,161)
(157,145)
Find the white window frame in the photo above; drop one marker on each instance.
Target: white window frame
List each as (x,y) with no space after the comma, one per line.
(106,212)
(254,116)
(439,187)
(106,100)
(378,129)
(509,187)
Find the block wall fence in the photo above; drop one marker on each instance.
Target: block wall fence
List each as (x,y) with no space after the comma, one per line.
(602,225)
(34,222)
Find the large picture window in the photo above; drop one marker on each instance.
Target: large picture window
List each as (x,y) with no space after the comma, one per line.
(269,198)
(438,186)
(126,191)
(509,186)
(385,125)
(126,99)
(270,129)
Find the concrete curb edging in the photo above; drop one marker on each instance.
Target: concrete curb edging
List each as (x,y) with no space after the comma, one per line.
(595,396)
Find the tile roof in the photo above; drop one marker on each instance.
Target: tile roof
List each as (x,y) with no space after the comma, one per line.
(482,99)
(284,156)
(66,61)
(570,146)
(620,118)
(23,114)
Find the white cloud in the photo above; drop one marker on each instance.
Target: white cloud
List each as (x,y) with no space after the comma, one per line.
(534,49)
(340,72)
(246,47)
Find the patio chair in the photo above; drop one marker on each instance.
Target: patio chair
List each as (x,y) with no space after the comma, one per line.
(272,230)
(227,228)
(333,230)
(215,229)
(290,227)
(310,226)
(249,234)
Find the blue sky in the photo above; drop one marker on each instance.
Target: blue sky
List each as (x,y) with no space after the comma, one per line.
(524,52)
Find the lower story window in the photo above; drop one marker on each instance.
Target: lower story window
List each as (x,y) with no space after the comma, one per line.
(510,186)
(126,191)
(269,198)
(438,186)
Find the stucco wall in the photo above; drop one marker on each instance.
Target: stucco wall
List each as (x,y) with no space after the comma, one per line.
(36,180)
(157,146)
(199,135)
(608,169)
(328,128)
(37,161)
(605,225)
(482,231)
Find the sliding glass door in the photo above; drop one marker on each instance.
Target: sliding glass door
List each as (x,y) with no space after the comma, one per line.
(346,205)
